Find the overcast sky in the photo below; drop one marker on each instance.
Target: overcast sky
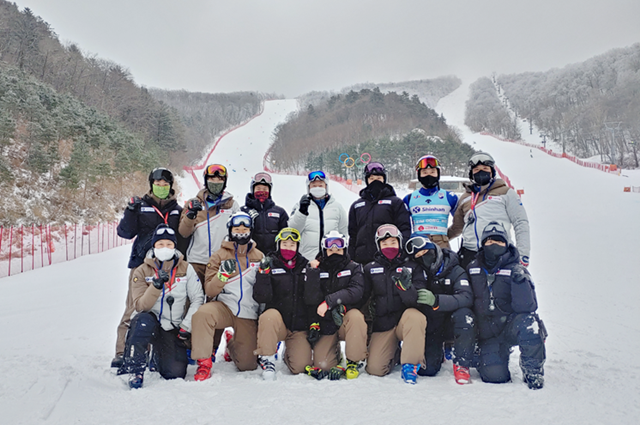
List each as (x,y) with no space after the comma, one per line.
(294,46)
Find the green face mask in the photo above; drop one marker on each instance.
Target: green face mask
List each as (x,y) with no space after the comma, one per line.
(161,191)
(215,188)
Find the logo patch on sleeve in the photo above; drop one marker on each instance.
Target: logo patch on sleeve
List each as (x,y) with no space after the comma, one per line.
(399,269)
(447,281)
(384,201)
(148,279)
(147,209)
(272,214)
(377,270)
(504,272)
(324,275)
(278,271)
(344,273)
(359,204)
(474,270)
(174,212)
(464,282)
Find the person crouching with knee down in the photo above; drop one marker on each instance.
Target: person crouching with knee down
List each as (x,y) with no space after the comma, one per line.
(396,317)
(230,277)
(334,292)
(280,286)
(505,304)
(160,288)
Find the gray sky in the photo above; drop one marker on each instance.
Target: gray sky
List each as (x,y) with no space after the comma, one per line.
(294,46)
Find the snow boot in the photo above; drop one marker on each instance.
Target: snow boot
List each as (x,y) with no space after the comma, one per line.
(461,374)
(135,380)
(117,361)
(267,363)
(204,369)
(353,369)
(409,373)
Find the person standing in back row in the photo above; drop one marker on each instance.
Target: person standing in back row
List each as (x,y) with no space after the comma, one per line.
(488,199)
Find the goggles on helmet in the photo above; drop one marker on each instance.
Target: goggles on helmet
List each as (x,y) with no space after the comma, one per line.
(418,243)
(481,159)
(428,161)
(288,233)
(161,174)
(338,242)
(261,178)
(240,219)
(317,175)
(387,231)
(215,170)
(374,168)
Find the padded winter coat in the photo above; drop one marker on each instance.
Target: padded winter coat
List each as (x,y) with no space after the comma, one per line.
(495,202)
(494,303)
(209,228)
(283,289)
(237,292)
(318,223)
(184,286)
(267,224)
(343,284)
(370,212)
(389,301)
(144,220)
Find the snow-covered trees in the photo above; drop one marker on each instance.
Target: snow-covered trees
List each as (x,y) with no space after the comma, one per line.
(485,112)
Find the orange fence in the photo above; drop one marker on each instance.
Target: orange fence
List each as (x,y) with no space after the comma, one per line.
(24,248)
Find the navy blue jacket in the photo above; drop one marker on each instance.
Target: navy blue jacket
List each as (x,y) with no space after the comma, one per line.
(141,223)
(370,212)
(512,292)
(267,225)
(389,301)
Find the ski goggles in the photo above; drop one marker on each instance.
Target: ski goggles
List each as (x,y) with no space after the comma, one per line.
(288,233)
(261,178)
(161,174)
(428,161)
(329,243)
(317,175)
(240,219)
(481,159)
(418,243)
(215,169)
(374,168)
(387,231)
(163,230)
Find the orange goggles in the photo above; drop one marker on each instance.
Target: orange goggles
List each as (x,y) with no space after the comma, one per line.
(215,169)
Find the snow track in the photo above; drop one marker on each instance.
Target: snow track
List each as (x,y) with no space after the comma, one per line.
(60,321)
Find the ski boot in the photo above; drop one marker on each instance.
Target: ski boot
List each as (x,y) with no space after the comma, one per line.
(136,380)
(267,363)
(117,361)
(204,369)
(461,374)
(353,369)
(409,373)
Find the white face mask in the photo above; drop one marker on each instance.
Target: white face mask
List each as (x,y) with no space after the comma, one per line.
(164,254)
(318,192)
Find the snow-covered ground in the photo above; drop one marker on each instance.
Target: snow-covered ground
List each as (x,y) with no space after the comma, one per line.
(61,320)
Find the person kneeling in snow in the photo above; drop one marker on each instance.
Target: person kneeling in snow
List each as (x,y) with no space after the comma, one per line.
(446,301)
(230,276)
(160,289)
(396,317)
(334,292)
(505,304)
(280,286)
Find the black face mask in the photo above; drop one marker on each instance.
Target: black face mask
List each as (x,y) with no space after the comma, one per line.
(241,239)
(429,181)
(482,177)
(332,262)
(492,253)
(375,187)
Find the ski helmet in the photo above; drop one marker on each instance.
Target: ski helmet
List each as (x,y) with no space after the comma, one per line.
(215,170)
(481,158)
(428,161)
(160,174)
(388,231)
(261,178)
(288,233)
(315,176)
(374,169)
(335,238)
(236,220)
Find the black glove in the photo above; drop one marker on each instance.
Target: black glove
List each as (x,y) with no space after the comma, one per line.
(183,335)
(134,203)
(314,333)
(337,313)
(520,275)
(265,265)
(336,373)
(193,206)
(163,277)
(316,372)
(303,207)
(403,282)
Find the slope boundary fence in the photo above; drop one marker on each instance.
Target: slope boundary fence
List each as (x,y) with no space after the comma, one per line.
(25,248)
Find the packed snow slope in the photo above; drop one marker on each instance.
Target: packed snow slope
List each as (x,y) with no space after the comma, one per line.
(61,321)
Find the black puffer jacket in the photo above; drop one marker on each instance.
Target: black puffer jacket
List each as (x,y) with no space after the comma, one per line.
(267,225)
(389,301)
(336,283)
(283,289)
(450,284)
(370,212)
(511,292)
(144,220)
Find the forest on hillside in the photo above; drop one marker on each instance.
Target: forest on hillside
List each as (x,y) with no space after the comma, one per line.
(484,111)
(395,129)
(590,108)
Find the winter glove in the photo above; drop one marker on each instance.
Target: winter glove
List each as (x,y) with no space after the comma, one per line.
(520,275)
(524,260)
(253,214)
(336,373)
(227,268)
(193,206)
(314,333)
(265,265)
(427,297)
(403,282)
(161,279)
(183,335)
(134,203)
(303,207)
(337,313)
(316,372)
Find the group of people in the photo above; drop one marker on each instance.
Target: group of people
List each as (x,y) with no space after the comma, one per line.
(382,278)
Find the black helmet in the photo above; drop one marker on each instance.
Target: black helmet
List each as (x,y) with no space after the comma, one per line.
(160,174)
